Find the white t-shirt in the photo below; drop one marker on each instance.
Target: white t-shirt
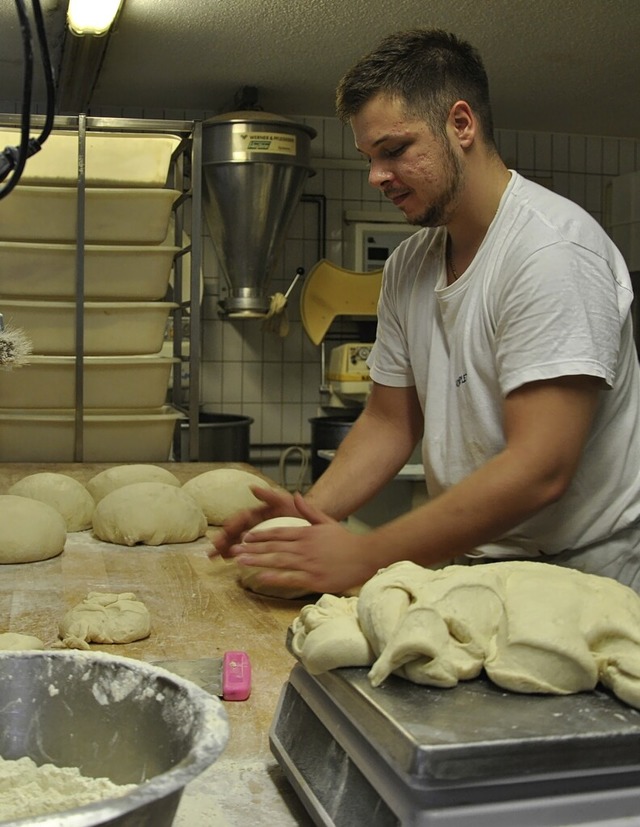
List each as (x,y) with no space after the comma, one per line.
(546,295)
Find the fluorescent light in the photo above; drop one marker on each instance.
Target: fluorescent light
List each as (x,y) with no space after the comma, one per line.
(92,16)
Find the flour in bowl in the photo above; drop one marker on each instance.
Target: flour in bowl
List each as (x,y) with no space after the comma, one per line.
(29,790)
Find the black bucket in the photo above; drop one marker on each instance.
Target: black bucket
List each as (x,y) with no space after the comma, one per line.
(223,438)
(327,432)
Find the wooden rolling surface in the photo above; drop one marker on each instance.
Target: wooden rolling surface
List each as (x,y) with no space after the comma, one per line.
(197,607)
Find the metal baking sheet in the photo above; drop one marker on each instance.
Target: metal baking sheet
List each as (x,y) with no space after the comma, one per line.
(479,731)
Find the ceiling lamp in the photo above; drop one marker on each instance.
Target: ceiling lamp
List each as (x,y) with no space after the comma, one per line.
(92,17)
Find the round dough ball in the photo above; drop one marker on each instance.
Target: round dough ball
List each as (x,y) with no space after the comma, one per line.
(113,478)
(30,530)
(15,642)
(64,493)
(223,492)
(248,574)
(152,513)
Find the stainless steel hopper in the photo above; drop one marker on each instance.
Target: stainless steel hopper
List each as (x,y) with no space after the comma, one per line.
(255,165)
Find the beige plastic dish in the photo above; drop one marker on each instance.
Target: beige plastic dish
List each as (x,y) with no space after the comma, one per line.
(31,271)
(125,382)
(125,436)
(113,159)
(110,328)
(112,216)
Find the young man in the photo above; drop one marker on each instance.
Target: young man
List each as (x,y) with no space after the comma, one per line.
(504,343)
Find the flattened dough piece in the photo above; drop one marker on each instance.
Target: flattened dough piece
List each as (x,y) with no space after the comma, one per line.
(66,494)
(152,513)
(16,642)
(248,575)
(30,530)
(107,481)
(223,492)
(103,617)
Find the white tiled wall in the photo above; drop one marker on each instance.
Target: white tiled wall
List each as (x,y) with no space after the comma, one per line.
(252,372)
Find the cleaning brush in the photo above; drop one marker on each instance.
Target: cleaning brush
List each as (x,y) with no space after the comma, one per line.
(15,347)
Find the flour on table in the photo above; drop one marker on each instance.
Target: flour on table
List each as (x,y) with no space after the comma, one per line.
(105,618)
(532,627)
(152,513)
(223,492)
(30,530)
(112,478)
(28,790)
(249,575)
(66,494)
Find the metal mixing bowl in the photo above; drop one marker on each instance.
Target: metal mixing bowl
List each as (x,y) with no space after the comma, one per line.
(111,717)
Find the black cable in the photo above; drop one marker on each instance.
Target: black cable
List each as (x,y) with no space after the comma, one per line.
(15,158)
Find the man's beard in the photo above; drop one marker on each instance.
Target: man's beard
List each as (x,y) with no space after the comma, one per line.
(439,212)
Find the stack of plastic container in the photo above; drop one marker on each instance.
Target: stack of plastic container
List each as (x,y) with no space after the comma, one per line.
(127,265)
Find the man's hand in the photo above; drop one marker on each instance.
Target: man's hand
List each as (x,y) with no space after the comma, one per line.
(276,503)
(322,557)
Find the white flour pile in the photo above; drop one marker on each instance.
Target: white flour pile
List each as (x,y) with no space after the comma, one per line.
(29,790)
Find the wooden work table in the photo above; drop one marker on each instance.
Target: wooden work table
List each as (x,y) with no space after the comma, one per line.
(198,610)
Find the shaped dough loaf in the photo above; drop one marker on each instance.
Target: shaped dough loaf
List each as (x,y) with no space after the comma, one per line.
(16,642)
(62,492)
(533,627)
(148,512)
(223,492)
(105,618)
(107,481)
(30,530)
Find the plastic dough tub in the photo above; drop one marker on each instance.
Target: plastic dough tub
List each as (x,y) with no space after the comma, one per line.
(109,382)
(112,159)
(30,271)
(49,436)
(112,216)
(110,328)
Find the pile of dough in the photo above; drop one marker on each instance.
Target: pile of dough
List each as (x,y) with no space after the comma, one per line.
(107,481)
(248,575)
(223,492)
(105,618)
(30,530)
(64,493)
(533,627)
(16,642)
(148,512)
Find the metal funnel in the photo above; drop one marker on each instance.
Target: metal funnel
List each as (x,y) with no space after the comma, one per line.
(255,165)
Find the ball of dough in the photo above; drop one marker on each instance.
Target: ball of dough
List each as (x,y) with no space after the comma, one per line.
(107,481)
(103,617)
(152,513)
(30,530)
(15,642)
(223,492)
(249,574)
(64,493)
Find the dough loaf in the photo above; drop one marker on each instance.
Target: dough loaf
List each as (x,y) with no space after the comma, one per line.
(532,627)
(30,530)
(16,642)
(248,575)
(223,492)
(64,493)
(152,513)
(105,618)
(107,481)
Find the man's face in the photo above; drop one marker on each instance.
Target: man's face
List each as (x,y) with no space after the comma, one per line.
(417,170)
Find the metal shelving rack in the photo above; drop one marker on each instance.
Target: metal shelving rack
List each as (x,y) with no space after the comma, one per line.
(185,175)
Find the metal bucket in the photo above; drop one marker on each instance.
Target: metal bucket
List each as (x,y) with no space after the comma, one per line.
(327,432)
(223,438)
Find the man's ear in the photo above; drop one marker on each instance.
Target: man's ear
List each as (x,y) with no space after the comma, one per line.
(462,121)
